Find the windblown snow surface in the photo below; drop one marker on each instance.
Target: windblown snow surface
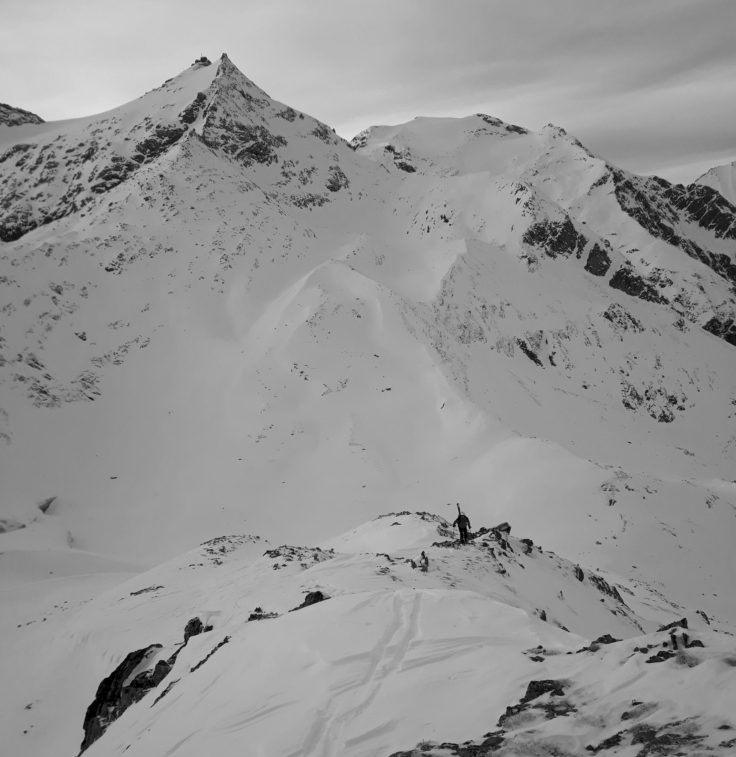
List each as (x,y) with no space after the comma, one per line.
(391,656)
(218,317)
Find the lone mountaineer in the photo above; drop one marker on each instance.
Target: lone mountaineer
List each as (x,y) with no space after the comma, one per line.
(463,523)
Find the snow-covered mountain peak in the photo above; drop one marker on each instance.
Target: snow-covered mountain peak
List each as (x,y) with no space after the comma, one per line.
(722,179)
(447,145)
(60,168)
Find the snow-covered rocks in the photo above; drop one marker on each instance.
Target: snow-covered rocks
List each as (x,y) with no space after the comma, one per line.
(10,116)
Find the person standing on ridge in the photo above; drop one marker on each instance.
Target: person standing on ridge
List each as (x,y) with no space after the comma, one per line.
(463,523)
(424,562)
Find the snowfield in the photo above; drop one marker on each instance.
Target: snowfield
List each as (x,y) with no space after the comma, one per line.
(390,657)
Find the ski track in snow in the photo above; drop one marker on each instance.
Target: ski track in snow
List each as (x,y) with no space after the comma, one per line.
(385,659)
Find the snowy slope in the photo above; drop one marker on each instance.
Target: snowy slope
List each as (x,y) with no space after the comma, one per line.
(217,316)
(722,179)
(390,657)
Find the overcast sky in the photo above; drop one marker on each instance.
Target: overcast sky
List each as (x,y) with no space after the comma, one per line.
(648,84)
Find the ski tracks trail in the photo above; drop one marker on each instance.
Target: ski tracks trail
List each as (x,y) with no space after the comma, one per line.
(325,738)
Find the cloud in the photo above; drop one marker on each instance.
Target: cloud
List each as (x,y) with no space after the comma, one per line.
(649,81)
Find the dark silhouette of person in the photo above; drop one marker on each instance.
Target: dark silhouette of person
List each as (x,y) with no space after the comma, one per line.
(424,562)
(463,524)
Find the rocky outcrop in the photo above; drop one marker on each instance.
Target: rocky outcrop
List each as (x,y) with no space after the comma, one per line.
(621,319)
(556,238)
(312,598)
(605,588)
(628,281)
(706,207)
(115,694)
(244,143)
(402,158)
(118,691)
(502,529)
(529,352)
(194,627)
(260,614)
(725,328)
(336,179)
(10,116)
(598,261)
(192,111)
(661,207)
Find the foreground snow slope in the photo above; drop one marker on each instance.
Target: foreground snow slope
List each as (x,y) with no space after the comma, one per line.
(217,316)
(390,657)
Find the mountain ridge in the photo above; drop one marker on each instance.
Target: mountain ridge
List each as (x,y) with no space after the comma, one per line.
(383,648)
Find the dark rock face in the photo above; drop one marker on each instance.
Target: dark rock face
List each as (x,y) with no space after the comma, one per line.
(725,328)
(682,623)
(556,238)
(402,165)
(605,588)
(549,709)
(529,352)
(10,116)
(659,206)
(16,151)
(669,740)
(499,124)
(244,143)
(606,744)
(260,614)
(502,528)
(598,261)
(621,319)
(659,403)
(488,746)
(337,179)
(634,285)
(705,206)
(535,689)
(324,133)
(312,598)
(194,627)
(113,697)
(596,644)
(606,639)
(116,173)
(163,137)
(402,159)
